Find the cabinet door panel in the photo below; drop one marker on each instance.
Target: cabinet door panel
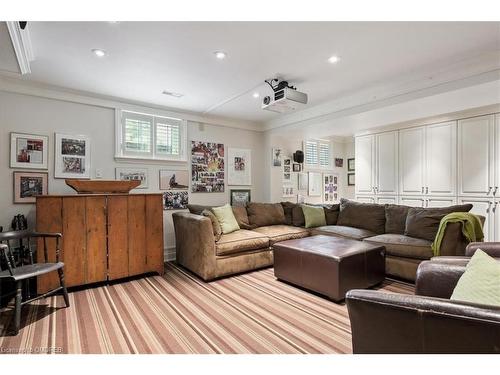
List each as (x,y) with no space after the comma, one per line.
(440,201)
(483,207)
(412,201)
(412,156)
(96,239)
(475,150)
(386,169)
(364,153)
(118,237)
(154,234)
(365,199)
(441,159)
(387,200)
(136,234)
(497,158)
(74,252)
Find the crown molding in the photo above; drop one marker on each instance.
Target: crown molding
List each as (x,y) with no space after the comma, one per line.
(21,42)
(8,83)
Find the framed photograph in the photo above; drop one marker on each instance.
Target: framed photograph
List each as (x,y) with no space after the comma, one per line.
(207,167)
(330,187)
(339,162)
(350,179)
(174,180)
(296,167)
(175,200)
(27,185)
(240,197)
(133,174)
(239,166)
(350,165)
(303,181)
(29,151)
(72,157)
(315,184)
(277,156)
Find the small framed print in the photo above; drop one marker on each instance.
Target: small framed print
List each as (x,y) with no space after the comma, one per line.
(240,197)
(174,180)
(339,162)
(133,174)
(72,158)
(27,185)
(350,165)
(350,179)
(296,167)
(29,151)
(175,200)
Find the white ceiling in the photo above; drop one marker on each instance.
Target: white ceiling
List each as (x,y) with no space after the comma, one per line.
(145,58)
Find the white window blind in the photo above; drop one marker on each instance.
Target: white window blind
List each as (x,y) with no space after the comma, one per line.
(146,136)
(317,153)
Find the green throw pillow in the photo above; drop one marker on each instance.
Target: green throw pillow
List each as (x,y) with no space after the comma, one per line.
(315,216)
(480,282)
(226,218)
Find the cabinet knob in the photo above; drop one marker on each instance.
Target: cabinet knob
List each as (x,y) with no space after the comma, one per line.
(426,190)
(495,207)
(489,189)
(422,190)
(489,207)
(495,191)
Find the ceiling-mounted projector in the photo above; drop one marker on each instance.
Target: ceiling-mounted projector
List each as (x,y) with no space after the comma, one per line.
(285,98)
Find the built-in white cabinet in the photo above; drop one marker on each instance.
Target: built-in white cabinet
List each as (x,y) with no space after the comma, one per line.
(490,209)
(477,153)
(428,157)
(377,164)
(380,199)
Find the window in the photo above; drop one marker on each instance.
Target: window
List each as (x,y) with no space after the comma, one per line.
(144,136)
(317,153)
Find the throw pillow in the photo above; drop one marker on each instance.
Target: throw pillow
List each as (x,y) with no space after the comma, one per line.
(226,218)
(424,222)
(314,216)
(332,213)
(367,216)
(215,224)
(240,213)
(263,214)
(288,211)
(298,219)
(480,283)
(395,218)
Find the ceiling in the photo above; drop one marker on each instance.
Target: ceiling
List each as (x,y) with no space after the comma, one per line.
(145,58)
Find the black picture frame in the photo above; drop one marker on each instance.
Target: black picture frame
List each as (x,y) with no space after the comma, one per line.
(296,167)
(233,193)
(350,179)
(350,165)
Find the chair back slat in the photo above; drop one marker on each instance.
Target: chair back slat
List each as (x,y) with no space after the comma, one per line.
(6,254)
(30,251)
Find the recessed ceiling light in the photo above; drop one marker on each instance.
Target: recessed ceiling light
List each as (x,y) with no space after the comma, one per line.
(255,95)
(99,52)
(174,94)
(220,55)
(334,59)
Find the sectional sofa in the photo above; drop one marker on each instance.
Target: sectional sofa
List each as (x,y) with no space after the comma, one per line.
(406,233)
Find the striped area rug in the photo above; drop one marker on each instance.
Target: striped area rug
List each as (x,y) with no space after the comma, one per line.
(179,313)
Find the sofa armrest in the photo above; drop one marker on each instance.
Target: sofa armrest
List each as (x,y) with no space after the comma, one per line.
(395,323)
(490,248)
(438,278)
(454,242)
(195,243)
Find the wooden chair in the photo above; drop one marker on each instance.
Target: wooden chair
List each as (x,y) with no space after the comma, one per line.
(18,271)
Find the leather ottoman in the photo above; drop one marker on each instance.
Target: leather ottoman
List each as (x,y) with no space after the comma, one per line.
(329,265)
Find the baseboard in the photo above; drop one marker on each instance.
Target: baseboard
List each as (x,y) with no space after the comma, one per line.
(169,254)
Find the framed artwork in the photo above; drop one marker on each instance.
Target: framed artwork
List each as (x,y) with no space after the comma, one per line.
(303,181)
(240,197)
(27,185)
(330,187)
(277,155)
(207,167)
(350,165)
(339,162)
(300,199)
(287,170)
(174,180)
(72,158)
(29,151)
(350,179)
(175,199)
(133,174)
(315,184)
(288,192)
(239,166)
(296,167)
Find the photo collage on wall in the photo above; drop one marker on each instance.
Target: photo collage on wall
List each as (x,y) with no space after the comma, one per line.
(176,182)
(207,167)
(330,189)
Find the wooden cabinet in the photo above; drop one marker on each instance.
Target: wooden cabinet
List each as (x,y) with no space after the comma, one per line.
(105,237)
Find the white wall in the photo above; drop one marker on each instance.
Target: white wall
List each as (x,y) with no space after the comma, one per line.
(38,115)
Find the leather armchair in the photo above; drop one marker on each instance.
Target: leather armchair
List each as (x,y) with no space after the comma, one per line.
(428,322)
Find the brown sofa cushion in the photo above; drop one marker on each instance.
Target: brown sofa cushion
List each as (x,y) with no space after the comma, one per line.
(403,246)
(278,233)
(215,223)
(298,218)
(288,211)
(197,209)
(332,213)
(239,241)
(345,232)
(240,213)
(395,218)
(262,214)
(367,216)
(424,222)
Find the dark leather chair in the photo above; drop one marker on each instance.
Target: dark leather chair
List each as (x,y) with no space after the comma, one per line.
(428,322)
(21,267)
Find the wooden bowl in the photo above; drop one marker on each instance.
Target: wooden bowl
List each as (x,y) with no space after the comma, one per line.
(102,186)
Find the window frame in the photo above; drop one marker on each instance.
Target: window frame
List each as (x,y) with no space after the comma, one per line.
(153,156)
(318,143)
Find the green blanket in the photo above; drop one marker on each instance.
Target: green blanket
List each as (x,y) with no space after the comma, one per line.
(472,228)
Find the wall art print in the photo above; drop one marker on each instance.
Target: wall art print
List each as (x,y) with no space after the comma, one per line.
(207,167)
(72,157)
(239,166)
(29,151)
